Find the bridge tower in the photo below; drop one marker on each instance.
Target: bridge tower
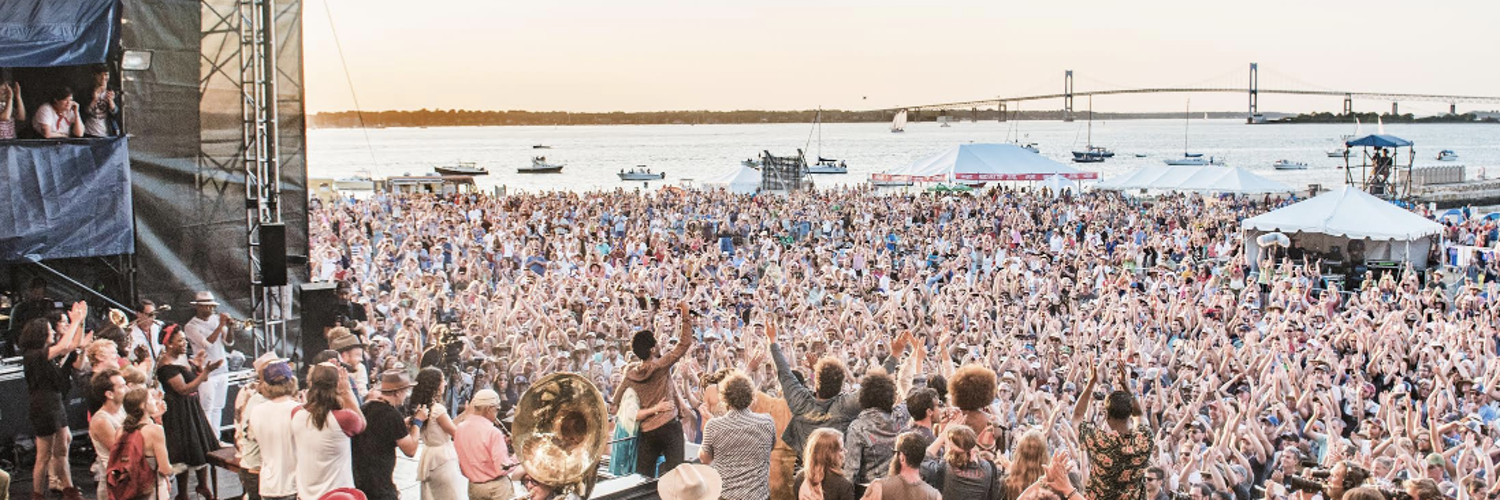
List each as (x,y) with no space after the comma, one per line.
(1348,104)
(1254,90)
(1068,96)
(1394,111)
(1001,108)
(1452,108)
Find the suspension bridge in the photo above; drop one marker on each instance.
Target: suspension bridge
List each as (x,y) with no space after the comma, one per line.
(1253,90)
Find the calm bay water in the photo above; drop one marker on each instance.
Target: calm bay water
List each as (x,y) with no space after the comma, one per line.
(593,154)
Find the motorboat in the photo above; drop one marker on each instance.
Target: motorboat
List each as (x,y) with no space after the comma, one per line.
(462,168)
(1093,154)
(1031,146)
(541,146)
(539,165)
(1141,155)
(828,166)
(1447,155)
(751,162)
(1338,152)
(1289,165)
(641,173)
(944,125)
(898,124)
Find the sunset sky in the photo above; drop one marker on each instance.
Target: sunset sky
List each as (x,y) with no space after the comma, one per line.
(641,55)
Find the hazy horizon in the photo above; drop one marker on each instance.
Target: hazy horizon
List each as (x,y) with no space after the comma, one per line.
(594,56)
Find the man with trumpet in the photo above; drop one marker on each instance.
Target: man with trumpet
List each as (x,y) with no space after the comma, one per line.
(209,333)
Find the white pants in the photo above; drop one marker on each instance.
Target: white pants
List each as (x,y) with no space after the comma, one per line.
(211,395)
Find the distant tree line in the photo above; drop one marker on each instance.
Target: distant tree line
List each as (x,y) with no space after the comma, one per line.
(471,118)
(1386,117)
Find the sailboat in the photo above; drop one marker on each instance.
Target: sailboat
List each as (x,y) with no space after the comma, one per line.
(1341,149)
(1015,126)
(1091,153)
(1188,159)
(825,165)
(898,125)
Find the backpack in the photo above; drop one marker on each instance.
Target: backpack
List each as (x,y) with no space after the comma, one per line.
(127,474)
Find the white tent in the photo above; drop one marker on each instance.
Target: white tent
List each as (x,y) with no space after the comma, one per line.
(1057,184)
(741,180)
(1205,178)
(1133,179)
(1239,181)
(1342,217)
(984,162)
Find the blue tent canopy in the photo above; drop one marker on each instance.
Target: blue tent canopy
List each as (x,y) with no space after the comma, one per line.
(47,33)
(1379,141)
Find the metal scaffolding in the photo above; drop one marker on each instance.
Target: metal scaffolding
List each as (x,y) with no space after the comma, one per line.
(246,36)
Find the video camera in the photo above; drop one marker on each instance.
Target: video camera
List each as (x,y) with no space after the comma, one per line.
(1314,479)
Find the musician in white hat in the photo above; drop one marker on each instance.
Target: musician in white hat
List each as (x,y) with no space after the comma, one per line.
(208,333)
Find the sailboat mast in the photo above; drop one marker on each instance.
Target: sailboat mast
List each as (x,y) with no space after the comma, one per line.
(1186,122)
(1090,139)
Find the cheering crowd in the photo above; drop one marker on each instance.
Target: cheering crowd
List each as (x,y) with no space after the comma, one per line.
(832,344)
(972,323)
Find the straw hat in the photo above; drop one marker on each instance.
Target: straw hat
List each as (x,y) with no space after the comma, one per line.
(690,482)
(203,299)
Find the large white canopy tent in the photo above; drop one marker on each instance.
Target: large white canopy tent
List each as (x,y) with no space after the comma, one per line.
(1205,178)
(1343,215)
(983,163)
(740,180)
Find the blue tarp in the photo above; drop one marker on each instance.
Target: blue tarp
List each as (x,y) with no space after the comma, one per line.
(1379,141)
(65,199)
(46,33)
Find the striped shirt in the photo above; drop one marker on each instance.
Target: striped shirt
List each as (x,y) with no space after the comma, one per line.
(740,444)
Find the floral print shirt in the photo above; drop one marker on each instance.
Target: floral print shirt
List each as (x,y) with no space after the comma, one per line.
(1117,462)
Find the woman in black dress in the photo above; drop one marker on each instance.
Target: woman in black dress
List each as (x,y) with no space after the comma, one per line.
(43,342)
(189,436)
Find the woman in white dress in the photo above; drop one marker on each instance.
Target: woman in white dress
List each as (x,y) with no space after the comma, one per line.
(437,469)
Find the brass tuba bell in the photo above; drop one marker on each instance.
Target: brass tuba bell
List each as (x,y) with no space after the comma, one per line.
(559,432)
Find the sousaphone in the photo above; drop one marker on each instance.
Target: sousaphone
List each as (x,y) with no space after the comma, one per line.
(559,433)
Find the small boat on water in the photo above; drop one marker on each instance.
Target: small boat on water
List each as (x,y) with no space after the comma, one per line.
(541,146)
(898,124)
(539,165)
(828,166)
(1141,155)
(641,173)
(752,163)
(1338,152)
(1191,160)
(1031,146)
(462,168)
(1092,153)
(355,183)
(1289,165)
(1447,155)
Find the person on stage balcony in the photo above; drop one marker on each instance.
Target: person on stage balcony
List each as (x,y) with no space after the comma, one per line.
(101,105)
(190,437)
(208,333)
(58,117)
(43,342)
(12,108)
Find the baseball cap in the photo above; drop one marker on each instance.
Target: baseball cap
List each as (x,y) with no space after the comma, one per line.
(277,373)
